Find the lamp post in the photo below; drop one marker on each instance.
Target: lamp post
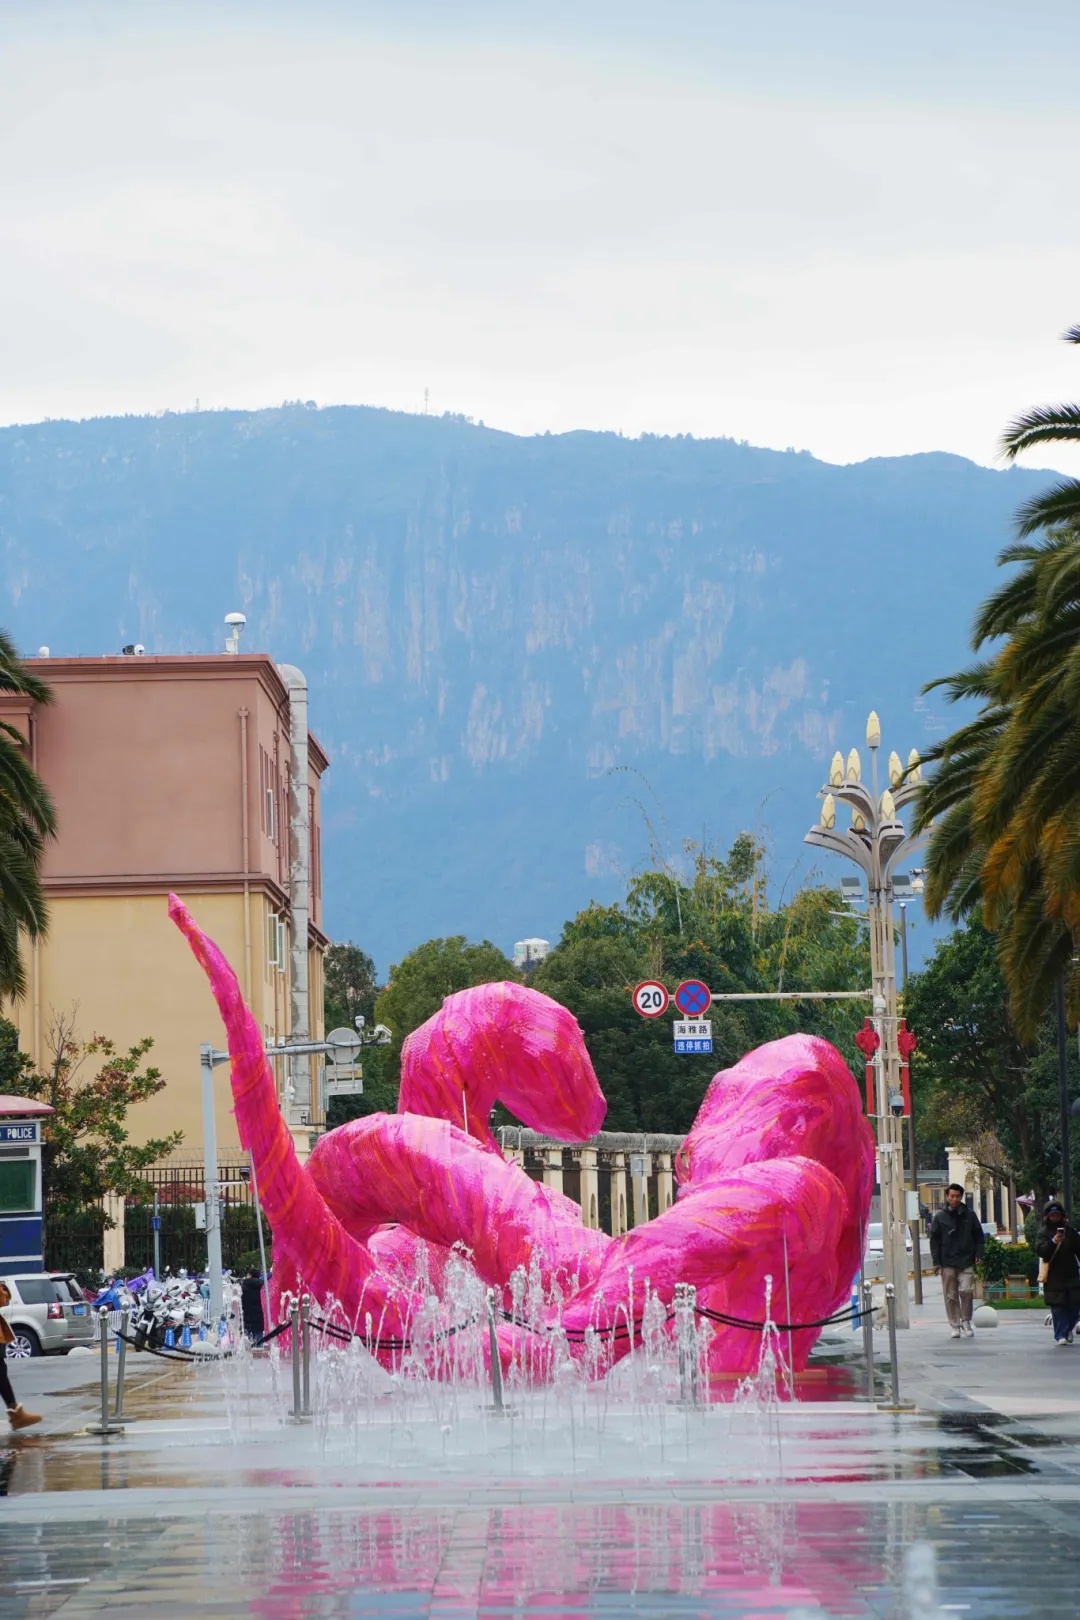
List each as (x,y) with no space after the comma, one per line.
(876,841)
(906,887)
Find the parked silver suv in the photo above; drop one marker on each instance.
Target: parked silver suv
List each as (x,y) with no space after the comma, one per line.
(48,1314)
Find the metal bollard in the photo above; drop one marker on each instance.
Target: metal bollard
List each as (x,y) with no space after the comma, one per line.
(896,1404)
(121,1361)
(107,1425)
(305,1355)
(685,1306)
(496,1364)
(297,1413)
(868,1337)
(890,1311)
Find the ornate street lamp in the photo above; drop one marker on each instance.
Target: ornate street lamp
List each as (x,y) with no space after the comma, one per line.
(877,842)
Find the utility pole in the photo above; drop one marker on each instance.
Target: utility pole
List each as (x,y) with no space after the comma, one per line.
(209,1059)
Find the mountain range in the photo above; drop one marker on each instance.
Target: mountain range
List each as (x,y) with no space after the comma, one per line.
(530,659)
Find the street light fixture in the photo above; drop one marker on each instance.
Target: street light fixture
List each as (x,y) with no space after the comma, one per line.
(876,841)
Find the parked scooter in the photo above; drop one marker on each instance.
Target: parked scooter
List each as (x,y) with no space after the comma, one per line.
(166,1309)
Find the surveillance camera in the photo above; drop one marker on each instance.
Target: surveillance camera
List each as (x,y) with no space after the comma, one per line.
(140,650)
(382,1035)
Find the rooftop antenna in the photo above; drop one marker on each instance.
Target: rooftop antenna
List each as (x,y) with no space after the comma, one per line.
(235,622)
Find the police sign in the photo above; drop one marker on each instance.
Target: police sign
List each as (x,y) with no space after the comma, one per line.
(18,1133)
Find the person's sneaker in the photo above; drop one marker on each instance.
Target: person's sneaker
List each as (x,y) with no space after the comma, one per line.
(967,1330)
(954,1333)
(20,1418)
(1062,1344)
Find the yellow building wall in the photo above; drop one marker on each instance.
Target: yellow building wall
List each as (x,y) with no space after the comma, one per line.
(121,968)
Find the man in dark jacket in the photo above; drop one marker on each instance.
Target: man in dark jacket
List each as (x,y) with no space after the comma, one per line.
(251,1305)
(956,1247)
(1059,1246)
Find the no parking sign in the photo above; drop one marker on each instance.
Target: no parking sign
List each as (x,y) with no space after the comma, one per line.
(693,998)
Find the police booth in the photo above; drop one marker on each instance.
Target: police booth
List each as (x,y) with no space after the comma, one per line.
(21,1240)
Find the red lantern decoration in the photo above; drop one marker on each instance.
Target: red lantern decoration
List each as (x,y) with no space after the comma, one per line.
(906,1043)
(868,1040)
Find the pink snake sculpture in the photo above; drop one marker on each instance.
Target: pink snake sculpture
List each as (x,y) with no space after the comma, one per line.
(774,1178)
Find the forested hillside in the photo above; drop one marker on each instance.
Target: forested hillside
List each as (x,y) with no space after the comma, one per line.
(523,653)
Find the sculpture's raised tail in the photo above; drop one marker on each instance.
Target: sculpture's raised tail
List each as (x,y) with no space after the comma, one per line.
(332,1264)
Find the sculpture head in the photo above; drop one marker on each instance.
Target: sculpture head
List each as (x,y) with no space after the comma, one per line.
(506,1042)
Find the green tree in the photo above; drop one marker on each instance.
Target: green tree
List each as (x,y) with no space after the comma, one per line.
(27,821)
(350,988)
(421,981)
(977,1085)
(86,1149)
(350,985)
(711,920)
(1003,808)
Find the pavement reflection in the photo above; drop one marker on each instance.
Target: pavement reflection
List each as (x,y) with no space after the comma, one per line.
(749,1559)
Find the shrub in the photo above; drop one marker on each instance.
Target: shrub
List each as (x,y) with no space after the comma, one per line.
(1001,1260)
(250,1260)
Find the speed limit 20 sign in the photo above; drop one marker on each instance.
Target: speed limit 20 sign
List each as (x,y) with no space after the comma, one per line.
(651,999)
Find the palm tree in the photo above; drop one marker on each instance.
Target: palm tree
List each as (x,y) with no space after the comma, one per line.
(1047,424)
(27,820)
(1003,809)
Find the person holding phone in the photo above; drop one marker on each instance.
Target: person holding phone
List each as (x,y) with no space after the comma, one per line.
(1059,1248)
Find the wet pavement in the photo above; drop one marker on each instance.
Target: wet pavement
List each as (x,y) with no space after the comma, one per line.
(212,1504)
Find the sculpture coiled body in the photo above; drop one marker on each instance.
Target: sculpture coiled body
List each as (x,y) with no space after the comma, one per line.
(775,1177)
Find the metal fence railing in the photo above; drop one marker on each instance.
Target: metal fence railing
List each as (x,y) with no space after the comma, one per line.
(161,1226)
(75,1243)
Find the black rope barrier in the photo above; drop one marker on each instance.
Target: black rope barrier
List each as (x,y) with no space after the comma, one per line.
(850,1314)
(399,1346)
(174,1352)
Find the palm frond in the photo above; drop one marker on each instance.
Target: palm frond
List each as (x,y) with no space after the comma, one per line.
(1035,950)
(15,677)
(1059,504)
(1003,612)
(1046,424)
(979,681)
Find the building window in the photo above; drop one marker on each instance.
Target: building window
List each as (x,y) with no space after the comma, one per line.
(277,942)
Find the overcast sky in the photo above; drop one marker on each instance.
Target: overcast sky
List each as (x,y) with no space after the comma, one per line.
(848,226)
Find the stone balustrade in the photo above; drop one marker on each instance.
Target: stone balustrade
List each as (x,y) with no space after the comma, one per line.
(619,1178)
